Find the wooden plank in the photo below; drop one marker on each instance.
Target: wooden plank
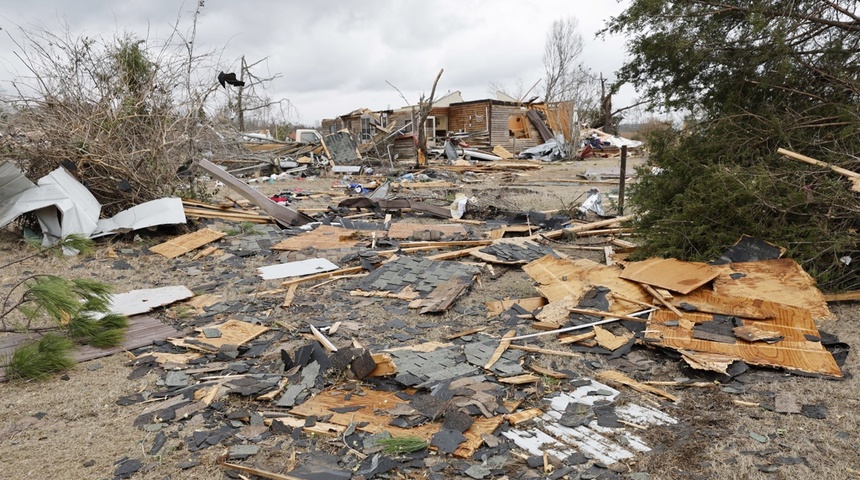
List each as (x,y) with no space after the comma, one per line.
(320,276)
(557,311)
(558,278)
(853,176)
(142,331)
(545,326)
(233,332)
(670,273)
(706,301)
(324,237)
(205,252)
(523,416)
(782,281)
(186,243)
(751,333)
(614,376)
(662,300)
(500,350)
(324,341)
(444,295)
(454,254)
(384,365)
(598,313)
(291,294)
(545,351)
(407,293)
(565,339)
(794,352)
(519,379)
(851,296)
(547,372)
(609,340)
(403,230)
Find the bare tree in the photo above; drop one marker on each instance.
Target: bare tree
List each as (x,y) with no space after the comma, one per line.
(121,111)
(248,99)
(562,49)
(568,84)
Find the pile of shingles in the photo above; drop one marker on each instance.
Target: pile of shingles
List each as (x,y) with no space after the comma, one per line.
(464,397)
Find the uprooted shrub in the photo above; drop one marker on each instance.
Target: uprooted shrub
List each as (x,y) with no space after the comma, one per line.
(62,313)
(708,193)
(125,114)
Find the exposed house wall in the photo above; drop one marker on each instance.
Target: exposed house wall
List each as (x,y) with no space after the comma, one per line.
(494,117)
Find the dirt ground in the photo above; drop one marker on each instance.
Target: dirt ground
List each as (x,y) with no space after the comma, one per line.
(71,427)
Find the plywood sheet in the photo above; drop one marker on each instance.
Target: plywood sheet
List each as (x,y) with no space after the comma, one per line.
(186,243)
(324,237)
(559,278)
(403,230)
(707,301)
(233,332)
(670,273)
(794,352)
(782,281)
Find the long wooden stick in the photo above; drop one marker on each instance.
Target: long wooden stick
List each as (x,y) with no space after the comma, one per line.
(661,299)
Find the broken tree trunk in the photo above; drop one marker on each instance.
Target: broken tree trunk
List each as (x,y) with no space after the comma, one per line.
(423,113)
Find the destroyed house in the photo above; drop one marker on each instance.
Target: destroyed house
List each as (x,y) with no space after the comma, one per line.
(487,122)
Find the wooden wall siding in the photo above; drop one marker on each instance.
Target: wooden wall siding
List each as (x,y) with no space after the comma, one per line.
(500,134)
(470,117)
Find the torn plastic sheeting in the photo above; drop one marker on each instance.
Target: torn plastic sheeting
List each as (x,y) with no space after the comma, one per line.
(64,206)
(163,211)
(547,152)
(592,203)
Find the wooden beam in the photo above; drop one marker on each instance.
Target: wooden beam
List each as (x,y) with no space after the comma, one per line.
(320,276)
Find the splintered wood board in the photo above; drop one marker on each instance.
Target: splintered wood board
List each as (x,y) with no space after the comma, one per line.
(671,274)
(530,304)
(403,230)
(559,278)
(186,243)
(794,352)
(782,281)
(324,237)
(444,295)
(374,403)
(707,301)
(233,332)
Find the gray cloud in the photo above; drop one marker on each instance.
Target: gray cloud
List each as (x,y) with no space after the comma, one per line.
(336,56)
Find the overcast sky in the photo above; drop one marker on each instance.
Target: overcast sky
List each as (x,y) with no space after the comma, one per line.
(336,56)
